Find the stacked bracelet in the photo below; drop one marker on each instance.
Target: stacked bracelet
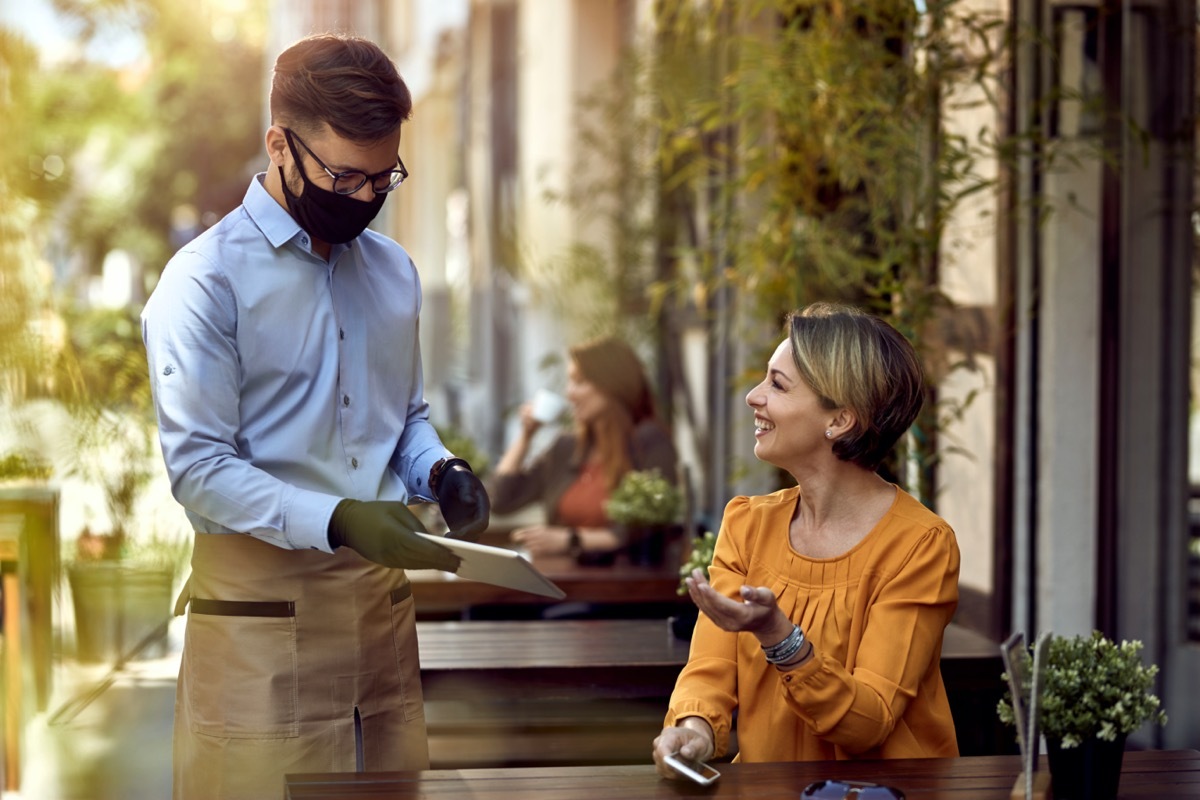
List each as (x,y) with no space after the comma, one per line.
(787,649)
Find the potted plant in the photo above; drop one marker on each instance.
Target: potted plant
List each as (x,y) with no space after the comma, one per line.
(1094,693)
(121,578)
(123,572)
(647,506)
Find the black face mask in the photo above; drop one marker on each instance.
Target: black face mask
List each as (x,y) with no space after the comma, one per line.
(328,216)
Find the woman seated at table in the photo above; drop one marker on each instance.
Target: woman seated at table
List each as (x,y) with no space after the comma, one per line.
(615,431)
(826,603)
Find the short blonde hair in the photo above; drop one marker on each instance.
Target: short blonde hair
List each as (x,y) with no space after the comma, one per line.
(855,360)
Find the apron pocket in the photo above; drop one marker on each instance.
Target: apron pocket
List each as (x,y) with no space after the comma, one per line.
(242,671)
(408,663)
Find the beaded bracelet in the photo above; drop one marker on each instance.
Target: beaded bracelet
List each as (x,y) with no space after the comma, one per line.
(785,650)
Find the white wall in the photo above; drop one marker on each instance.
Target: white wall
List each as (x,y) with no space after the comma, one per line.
(1068,406)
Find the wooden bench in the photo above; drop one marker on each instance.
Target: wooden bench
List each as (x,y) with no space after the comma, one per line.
(559,692)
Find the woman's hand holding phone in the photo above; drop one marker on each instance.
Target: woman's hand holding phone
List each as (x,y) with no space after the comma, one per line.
(683,749)
(697,771)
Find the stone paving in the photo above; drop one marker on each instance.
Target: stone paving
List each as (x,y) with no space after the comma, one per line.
(106,734)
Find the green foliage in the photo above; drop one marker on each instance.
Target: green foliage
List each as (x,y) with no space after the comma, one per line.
(765,155)
(22,465)
(98,157)
(463,446)
(114,153)
(644,497)
(159,551)
(1092,687)
(700,558)
(111,360)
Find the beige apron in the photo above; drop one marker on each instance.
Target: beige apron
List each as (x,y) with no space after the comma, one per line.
(293,661)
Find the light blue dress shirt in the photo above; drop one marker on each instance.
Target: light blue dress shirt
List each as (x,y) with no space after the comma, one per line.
(284,383)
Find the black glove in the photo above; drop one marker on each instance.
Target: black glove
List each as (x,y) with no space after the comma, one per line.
(383,531)
(461,497)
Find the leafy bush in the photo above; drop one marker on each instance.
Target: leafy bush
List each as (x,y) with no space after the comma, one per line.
(20,465)
(1091,688)
(644,497)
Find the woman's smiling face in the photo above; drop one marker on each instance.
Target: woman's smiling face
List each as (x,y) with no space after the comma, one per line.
(789,419)
(586,399)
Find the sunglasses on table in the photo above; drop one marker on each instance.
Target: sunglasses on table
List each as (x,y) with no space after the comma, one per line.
(850,790)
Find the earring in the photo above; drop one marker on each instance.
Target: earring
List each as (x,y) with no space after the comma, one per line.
(828,434)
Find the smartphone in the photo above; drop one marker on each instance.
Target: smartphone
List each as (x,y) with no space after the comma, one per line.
(698,771)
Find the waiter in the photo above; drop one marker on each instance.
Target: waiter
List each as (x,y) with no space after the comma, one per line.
(286,369)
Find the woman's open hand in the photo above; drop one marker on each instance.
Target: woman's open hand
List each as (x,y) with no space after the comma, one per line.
(757,612)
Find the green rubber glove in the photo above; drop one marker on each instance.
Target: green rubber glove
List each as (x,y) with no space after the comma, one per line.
(383,531)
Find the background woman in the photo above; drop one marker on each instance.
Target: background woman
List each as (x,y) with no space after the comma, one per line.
(826,603)
(615,431)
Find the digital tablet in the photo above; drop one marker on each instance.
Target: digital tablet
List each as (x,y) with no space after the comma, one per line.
(498,566)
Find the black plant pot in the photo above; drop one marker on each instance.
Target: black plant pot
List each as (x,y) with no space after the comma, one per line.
(647,545)
(1090,771)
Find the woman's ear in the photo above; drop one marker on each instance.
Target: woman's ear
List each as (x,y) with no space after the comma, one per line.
(843,422)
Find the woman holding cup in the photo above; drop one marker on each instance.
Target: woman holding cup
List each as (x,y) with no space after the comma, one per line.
(615,431)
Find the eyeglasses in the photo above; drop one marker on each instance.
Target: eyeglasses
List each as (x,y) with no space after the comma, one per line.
(852,790)
(351,181)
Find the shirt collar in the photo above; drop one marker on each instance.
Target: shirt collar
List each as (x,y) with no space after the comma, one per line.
(276,223)
(271,218)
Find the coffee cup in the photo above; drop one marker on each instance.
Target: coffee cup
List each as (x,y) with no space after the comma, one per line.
(547,406)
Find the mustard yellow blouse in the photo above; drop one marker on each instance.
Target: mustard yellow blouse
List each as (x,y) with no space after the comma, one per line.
(876,616)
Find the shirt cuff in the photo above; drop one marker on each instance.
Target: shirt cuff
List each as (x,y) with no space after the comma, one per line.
(307,525)
(422,466)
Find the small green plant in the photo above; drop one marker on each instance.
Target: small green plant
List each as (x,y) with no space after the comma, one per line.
(644,497)
(700,558)
(465,448)
(1091,688)
(15,466)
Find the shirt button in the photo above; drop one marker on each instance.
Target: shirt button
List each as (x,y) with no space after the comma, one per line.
(341,333)
(345,399)
(354,463)
(304,240)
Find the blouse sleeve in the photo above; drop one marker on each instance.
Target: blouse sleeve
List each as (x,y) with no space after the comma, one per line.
(707,685)
(530,484)
(902,633)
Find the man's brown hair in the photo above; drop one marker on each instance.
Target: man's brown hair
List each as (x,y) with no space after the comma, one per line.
(345,81)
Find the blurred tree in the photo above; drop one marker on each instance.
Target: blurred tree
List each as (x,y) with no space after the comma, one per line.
(786,151)
(189,142)
(137,156)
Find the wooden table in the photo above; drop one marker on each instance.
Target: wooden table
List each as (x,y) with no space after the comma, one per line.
(540,693)
(1148,774)
(620,589)
(29,564)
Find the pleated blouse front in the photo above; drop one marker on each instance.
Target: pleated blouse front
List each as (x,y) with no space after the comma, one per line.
(876,615)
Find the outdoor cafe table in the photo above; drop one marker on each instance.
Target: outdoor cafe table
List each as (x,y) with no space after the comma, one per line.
(1144,774)
(543,692)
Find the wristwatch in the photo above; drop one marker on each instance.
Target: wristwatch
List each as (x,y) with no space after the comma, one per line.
(439,468)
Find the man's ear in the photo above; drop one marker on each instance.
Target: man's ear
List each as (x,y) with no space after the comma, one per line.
(276,145)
